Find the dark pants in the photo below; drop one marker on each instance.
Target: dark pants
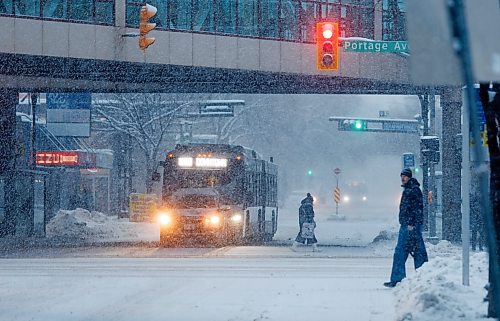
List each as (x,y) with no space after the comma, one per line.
(302,240)
(402,250)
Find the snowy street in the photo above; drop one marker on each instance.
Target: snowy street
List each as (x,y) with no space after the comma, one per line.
(123,275)
(242,283)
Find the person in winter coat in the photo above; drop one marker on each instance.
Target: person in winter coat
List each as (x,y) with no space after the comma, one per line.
(306,215)
(410,239)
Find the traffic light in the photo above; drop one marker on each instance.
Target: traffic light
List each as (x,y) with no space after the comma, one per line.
(327,45)
(309,172)
(352,125)
(146,13)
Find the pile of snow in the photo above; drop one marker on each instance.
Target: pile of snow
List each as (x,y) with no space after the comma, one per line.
(81,224)
(435,291)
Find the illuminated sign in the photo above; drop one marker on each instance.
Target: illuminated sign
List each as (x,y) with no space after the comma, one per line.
(211,162)
(66,158)
(185,162)
(202,162)
(57,158)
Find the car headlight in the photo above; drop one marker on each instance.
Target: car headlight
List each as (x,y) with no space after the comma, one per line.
(236,218)
(346,199)
(364,198)
(164,219)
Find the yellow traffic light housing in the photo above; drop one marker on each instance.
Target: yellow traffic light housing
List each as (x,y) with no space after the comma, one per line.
(327,45)
(146,13)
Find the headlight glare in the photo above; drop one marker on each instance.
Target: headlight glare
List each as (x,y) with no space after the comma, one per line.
(164,219)
(236,218)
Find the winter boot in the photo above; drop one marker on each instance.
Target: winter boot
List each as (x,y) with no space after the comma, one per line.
(316,248)
(295,245)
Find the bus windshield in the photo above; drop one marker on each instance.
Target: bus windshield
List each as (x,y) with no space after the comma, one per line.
(195,201)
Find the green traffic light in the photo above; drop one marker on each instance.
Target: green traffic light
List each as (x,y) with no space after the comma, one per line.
(359,124)
(309,172)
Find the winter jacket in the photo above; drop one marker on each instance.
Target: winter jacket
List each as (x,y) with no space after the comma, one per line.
(306,211)
(411,206)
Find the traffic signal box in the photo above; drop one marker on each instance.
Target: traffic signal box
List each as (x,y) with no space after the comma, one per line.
(352,125)
(429,146)
(327,45)
(146,13)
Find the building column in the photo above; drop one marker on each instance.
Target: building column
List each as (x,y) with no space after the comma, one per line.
(8,101)
(451,102)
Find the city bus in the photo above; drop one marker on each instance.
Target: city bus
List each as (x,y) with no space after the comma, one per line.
(220,193)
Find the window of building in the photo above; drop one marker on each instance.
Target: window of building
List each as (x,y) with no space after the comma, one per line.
(6,6)
(393,20)
(27,8)
(55,9)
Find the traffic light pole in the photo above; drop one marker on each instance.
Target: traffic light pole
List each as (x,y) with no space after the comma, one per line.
(461,37)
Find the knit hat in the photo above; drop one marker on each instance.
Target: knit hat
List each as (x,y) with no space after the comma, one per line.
(406,172)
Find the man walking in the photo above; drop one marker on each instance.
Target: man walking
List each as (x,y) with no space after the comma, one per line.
(410,239)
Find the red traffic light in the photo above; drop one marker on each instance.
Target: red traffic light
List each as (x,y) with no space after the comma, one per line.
(327,35)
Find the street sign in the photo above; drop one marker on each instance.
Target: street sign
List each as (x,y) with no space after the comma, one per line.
(408,160)
(410,127)
(375,46)
(336,171)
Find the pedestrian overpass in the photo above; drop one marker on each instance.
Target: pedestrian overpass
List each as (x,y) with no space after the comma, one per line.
(265,49)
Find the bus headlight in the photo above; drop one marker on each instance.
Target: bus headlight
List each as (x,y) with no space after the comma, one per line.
(164,219)
(236,218)
(213,220)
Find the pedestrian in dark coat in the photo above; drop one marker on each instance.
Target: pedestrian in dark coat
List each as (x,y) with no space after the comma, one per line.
(411,219)
(306,215)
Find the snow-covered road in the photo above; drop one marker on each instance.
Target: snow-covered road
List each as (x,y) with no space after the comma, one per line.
(241,283)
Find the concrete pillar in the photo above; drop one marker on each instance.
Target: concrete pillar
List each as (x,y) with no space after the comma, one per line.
(8,100)
(451,102)
(378,8)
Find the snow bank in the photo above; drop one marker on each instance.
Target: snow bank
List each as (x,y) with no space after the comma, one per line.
(81,224)
(435,292)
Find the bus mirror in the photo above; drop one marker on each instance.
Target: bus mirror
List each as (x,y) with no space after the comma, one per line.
(155,177)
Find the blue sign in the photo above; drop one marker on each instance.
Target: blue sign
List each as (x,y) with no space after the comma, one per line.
(480,112)
(69,101)
(408,160)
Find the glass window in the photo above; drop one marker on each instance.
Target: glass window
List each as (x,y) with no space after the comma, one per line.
(104,12)
(225,19)
(161,15)
(309,15)
(203,15)
(248,17)
(82,10)
(269,18)
(290,14)
(359,22)
(133,15)
(180,14)
(27,8)
(394,20)
(6,6)
(55,9)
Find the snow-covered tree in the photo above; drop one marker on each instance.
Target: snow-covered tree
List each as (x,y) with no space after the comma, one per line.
(146,118)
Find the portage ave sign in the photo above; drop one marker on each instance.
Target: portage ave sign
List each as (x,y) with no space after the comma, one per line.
(375,46)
